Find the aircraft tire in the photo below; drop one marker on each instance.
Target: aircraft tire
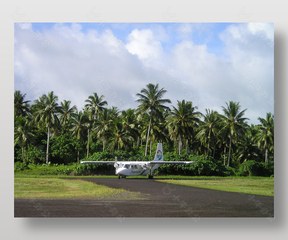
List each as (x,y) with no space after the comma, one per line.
(118,176)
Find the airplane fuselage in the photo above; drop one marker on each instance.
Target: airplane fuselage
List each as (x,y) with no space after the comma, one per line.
(134,168)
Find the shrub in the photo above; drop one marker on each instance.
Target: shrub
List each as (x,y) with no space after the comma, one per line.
(20,166)
(36,154)
(253,168)
(63,149)
(248,168)
(205,166)
(93,169)
(266,169)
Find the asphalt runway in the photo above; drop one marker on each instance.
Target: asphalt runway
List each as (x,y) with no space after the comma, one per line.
(162,200)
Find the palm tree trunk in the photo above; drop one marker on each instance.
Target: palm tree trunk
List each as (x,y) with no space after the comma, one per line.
(179,146)
(78,156)
(150,147)
(208,149)
(224,155)
(148,135)
(23,157)
(187,147)
(230,144)
(47,150)
(88,143)
(26,152)
(266,155)
(103,145)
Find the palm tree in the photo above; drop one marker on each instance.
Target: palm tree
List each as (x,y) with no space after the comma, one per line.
(79,128)
(265,135)
(114,112)
(22,134)
(151,102)
(130,123)
(143,120)
(233,123)
(247,148)
(94,105)
(103,125)
(46,113)
(182,121)
(119,138)
(66,112)
(209,128)
(158,130)
(21,107)
(223,139)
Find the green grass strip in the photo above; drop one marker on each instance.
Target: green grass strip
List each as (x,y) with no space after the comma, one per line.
(261,186)
(63,188)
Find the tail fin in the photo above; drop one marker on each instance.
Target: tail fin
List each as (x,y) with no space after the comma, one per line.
(159,153)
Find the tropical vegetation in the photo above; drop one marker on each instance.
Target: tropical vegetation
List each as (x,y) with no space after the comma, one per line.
(49,132)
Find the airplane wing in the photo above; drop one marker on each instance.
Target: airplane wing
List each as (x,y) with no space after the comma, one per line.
(108,162)
(152,162)
(170,162)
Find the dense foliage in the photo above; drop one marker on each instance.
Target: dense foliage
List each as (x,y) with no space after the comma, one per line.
(47,133)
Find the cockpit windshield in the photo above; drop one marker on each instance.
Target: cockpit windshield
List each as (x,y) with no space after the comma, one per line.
(128,166)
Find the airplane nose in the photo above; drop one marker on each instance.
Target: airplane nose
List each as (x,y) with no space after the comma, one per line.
(122,171)
(119,171)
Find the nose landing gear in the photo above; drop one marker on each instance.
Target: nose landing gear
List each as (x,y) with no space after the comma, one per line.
(121,176)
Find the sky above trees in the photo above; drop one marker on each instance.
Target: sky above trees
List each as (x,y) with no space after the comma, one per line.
(206,63)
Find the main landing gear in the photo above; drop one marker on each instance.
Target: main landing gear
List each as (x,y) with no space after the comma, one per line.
(150,176)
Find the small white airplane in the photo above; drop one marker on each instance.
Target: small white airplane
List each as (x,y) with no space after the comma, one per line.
(129,168)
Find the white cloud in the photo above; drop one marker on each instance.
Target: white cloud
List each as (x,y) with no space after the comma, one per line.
(265,29)
(75,64)
(25,25)
(244,74)
(142,44)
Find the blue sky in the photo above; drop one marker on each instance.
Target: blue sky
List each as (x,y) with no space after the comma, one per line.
(206,63)
(208,35)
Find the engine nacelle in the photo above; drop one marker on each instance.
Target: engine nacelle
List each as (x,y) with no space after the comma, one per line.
(118,165)
(146,166)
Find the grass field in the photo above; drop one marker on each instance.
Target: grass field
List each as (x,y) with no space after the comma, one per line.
(61,188)
(259,186)
(50,186)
